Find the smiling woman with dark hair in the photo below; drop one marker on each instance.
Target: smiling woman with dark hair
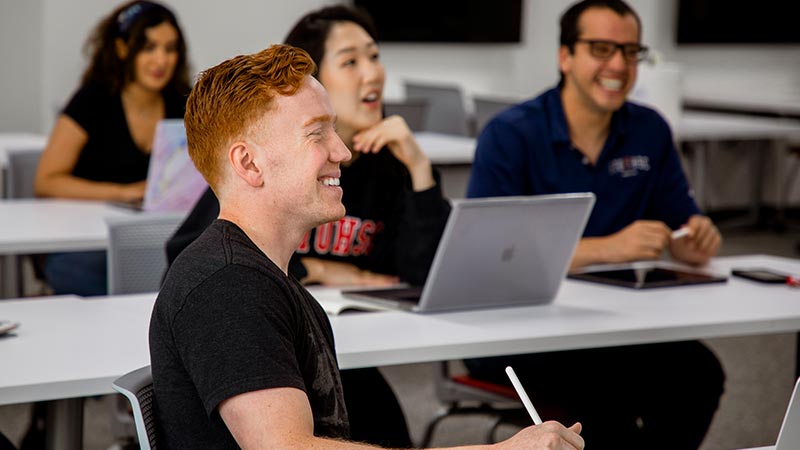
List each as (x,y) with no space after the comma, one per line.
(100,145)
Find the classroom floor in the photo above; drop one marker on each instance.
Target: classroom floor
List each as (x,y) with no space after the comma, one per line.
(760,375)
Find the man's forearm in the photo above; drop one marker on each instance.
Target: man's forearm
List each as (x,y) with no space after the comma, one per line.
(592,250)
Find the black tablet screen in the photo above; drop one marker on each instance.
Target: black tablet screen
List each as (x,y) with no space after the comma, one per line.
(649,277)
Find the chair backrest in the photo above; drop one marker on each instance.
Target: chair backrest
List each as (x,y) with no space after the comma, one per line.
(137,387)
(20,172)
(446,113)
(137,256)
(486,108)
(414,112)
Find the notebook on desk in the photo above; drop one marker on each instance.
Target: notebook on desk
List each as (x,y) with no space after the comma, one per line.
(173,182)
(508,251)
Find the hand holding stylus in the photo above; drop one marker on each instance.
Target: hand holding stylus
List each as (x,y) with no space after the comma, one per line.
(523,395)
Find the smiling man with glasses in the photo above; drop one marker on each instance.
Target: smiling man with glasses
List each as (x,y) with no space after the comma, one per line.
(583,135)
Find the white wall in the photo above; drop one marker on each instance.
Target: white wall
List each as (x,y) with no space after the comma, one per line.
(734,70)
(21,67)
(42,51)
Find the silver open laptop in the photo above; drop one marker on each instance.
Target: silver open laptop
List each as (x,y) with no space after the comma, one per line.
(789,437)
(505,251)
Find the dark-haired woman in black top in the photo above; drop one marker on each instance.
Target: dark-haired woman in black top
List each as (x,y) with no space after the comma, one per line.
(100,146)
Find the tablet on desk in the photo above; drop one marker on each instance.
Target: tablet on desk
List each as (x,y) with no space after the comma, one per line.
(646,275)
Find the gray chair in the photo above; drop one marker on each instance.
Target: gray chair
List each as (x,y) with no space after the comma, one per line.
(446,112)
(21,171)
(137,387)
(136,252)
(488,107)
(415,112)
(137,260)
(18,184)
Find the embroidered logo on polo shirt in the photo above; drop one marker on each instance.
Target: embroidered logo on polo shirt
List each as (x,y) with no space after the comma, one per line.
(629,166)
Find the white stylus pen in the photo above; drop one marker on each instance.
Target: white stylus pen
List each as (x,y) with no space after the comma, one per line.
(523,396)
(679,233)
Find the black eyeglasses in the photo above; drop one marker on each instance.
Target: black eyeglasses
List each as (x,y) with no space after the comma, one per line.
(605,50)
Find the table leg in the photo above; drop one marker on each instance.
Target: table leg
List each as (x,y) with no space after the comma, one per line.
(780,149)
(699,150)
(8,277)
(64,426)
(757,158)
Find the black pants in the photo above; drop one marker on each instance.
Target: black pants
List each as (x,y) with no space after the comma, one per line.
(656,396)
(375,415)
(5,444)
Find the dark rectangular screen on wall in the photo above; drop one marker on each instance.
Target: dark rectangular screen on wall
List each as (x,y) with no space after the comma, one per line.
(470,21)
(738,22)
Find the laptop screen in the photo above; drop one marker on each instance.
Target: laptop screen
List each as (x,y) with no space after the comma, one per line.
(173,182)
(509,251)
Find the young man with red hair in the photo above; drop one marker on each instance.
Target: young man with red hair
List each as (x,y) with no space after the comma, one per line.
(242,355)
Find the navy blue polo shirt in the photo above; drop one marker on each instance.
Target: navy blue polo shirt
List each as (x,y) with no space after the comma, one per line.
(526,150)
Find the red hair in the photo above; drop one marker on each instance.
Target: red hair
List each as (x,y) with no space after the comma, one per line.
(232,96)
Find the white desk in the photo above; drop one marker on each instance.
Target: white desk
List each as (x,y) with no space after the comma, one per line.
(706,130)
(54,225)
(29,226)
(584,315)
(784,103)
(68,348)
(71,348)
(744,106)
(703,130)
(695,126)
(51,225)
(692,126)
(446,149)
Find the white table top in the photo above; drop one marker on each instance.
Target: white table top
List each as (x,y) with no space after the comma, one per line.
(584,315)
(446,148)
(695,126)
(785,102)
(692,126)
(68,347)
(52,225)
(20,141)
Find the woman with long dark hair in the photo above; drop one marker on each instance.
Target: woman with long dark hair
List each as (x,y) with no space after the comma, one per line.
(100,145)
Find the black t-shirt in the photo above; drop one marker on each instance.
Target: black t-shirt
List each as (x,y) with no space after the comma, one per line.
(228,321)
(110,154)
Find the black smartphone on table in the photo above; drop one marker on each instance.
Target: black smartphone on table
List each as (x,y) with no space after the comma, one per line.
(761,275)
